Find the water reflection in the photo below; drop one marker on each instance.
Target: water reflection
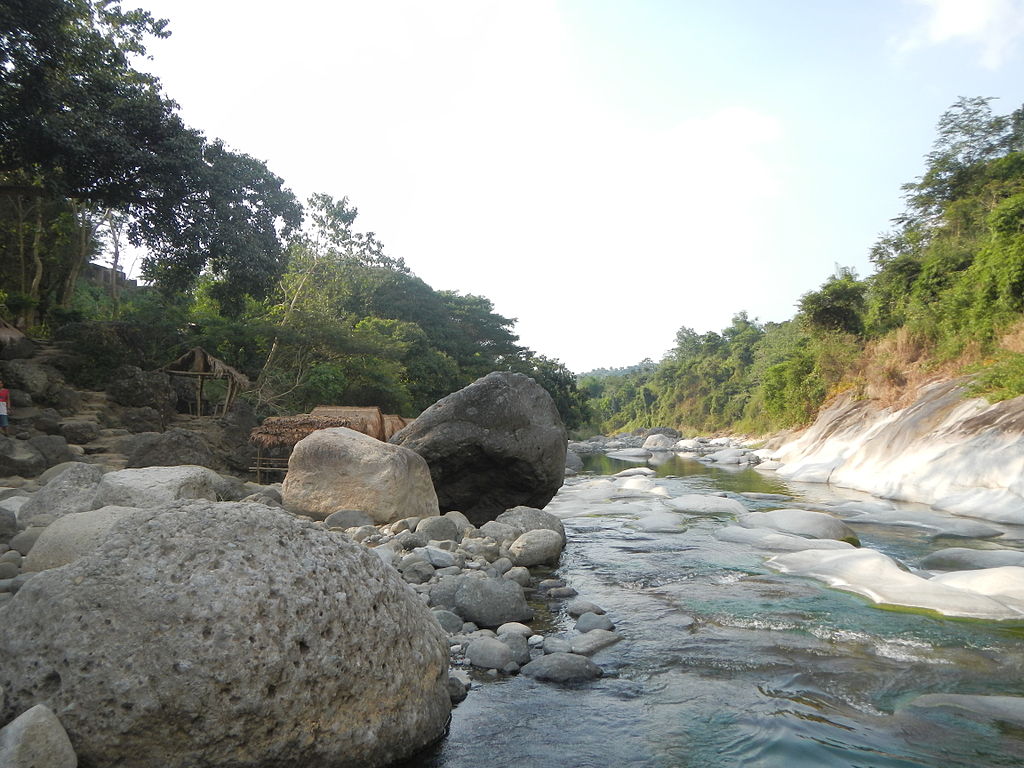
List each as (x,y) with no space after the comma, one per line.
(727,663)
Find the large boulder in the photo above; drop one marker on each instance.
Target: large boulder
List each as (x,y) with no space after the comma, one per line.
(71,491)
(495,444)
(18,457)
(340,468)
(72,536)
(171,448)
(152,486)
(207,633)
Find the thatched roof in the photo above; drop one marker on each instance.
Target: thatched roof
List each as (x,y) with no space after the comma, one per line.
(286,431)
(198,361)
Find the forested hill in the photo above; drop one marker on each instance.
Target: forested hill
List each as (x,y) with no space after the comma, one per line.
(94,157)
(947,298)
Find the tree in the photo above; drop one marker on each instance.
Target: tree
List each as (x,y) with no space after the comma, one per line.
(838,305)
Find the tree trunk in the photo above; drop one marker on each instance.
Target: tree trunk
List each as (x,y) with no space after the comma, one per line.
(30,316)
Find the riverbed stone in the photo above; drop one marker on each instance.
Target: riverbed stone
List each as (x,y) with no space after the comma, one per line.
(588,622)
(442,528)
(36,739)
(964,559)
(492,445)
(489,653)
(523,519)
(226,632)
(518,645)
(562,668)
(450,622)
(339,467)
(593,641)
(802,522)
(579,607)
(26,539)
(490,602)
(538,547)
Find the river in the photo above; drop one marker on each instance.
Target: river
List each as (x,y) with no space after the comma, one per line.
(726,662)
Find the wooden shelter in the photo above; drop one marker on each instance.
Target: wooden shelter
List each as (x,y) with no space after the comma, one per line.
(277,435)
(199,364)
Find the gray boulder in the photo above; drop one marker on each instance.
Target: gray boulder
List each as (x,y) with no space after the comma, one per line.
(525,519)
(40,381)
(538,547)
(180,642)
(72,536)
(489,653)
(490,602)
(341,468)
(153,486)
(438,529)
(36,739)
(171,448)
(18,457)
(493,445)
(136,388)
(562,668)
(79,432)
(71,491)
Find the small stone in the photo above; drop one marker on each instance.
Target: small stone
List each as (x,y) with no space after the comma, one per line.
(514,627)
(556,645)
(450,622)
(24,541)
(594,641)
(438,528)
(457,690)
(588,622)
(489,653)
(520,648)
(562,668)
(579,607)
(519,575)
(560,592)
(348,518)
(8,570)
(535,641)
(550,584)
(502,565)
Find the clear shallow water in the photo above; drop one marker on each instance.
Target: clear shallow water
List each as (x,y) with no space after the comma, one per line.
(725,662)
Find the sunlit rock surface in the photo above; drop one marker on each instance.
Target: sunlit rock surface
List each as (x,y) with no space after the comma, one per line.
(990,593)
(958,454)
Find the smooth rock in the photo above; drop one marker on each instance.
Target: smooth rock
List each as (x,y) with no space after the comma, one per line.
(491,602)
(593,641)
(36,739)
(705,504)
(340,467)
(562,668)
(347,518)
(442,528)
(73,490)
(154,486)
(489,653)
(537,547)
(588,622)
(491,446)
(801,522)
(72,536)
(524,519)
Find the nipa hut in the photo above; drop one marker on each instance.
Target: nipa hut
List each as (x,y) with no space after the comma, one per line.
(199,364)
(277,435)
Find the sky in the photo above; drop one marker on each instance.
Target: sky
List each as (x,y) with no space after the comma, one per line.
(604,172)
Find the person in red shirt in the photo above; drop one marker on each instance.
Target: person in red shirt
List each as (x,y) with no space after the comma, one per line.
(5,406)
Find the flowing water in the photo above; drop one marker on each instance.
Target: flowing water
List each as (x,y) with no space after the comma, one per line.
(725,662)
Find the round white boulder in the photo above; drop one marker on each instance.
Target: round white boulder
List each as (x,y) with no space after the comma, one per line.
(341,468)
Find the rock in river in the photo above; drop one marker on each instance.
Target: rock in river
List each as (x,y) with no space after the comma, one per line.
(491,446)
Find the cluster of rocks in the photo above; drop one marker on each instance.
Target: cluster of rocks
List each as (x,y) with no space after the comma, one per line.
(52,423)
(479,585)
(661,441)
(140,581)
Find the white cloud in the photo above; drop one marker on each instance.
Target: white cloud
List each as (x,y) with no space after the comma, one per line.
(996,27)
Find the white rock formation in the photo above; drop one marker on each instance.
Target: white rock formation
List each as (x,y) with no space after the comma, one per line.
(959,454)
